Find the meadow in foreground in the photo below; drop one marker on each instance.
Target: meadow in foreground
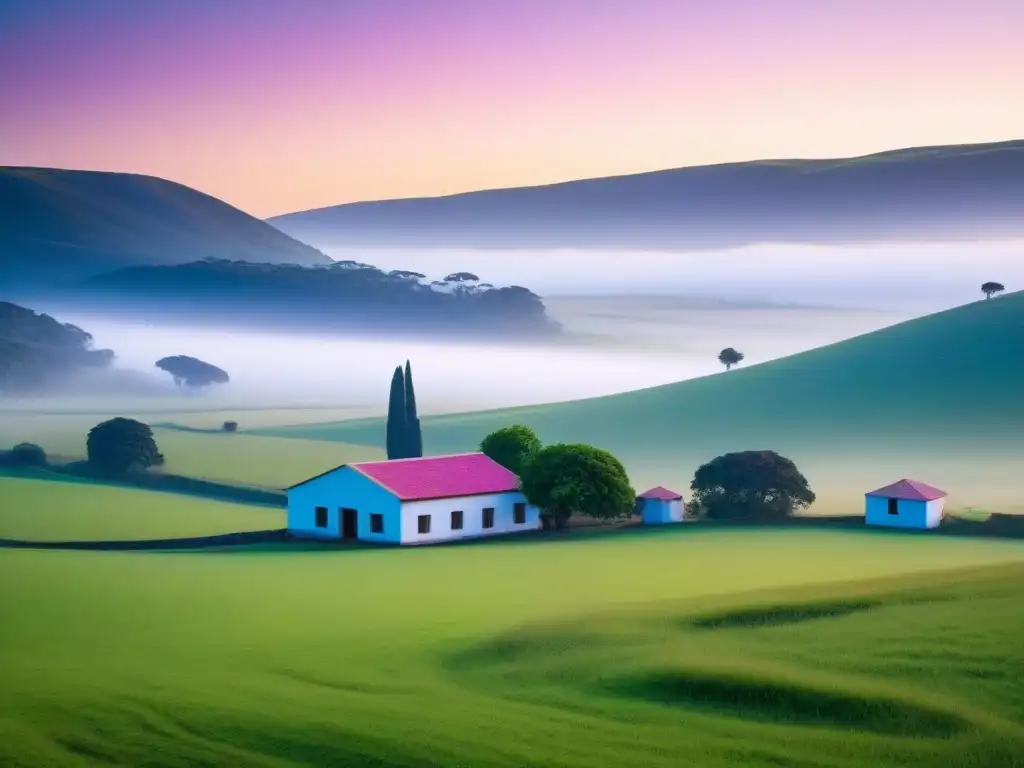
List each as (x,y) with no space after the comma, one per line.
(652,648)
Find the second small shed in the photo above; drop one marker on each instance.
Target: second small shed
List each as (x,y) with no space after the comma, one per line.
(905,504)
(659,506)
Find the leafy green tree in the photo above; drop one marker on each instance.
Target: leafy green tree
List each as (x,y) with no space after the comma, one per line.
(730,357)
(567,479)
(511,446)
(414,437)
(990,289)
(119,445)
(396,427)
(750,485)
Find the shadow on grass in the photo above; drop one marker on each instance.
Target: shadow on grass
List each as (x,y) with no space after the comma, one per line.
(786,702)
(161,482)
(241,539)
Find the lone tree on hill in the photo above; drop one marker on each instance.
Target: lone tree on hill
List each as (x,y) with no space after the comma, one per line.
(511,447)
(404,439)
(991,289)
(192,372)
(729,357)
(565,479)
(120,445)
(750,485)
(230,426)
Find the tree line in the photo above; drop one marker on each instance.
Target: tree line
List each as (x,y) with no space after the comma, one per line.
(574,478)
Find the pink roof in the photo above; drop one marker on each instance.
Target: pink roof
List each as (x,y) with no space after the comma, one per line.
(909,490)
(440,477)
(661,494)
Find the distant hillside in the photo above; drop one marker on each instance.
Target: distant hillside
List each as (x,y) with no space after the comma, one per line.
(64,225)
(931,193)
(949,385)
(345,296)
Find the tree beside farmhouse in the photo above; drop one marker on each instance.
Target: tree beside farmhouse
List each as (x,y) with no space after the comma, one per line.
(511,446)
(572,478)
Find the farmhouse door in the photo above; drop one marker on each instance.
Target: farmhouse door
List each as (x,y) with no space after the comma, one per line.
(349,524)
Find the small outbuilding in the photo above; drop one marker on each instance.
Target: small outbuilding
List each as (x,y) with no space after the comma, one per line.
(659,506)
(905,504)
(411,501)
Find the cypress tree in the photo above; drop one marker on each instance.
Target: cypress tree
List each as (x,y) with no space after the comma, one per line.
(414,439)
(396,427)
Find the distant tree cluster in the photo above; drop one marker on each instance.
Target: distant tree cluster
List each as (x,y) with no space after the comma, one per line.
(192,372)
(38,352)
(404,436)
(344,294)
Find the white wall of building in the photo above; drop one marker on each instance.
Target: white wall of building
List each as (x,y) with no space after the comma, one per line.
(344,487)
(660,512)
(472,517)
(910,514)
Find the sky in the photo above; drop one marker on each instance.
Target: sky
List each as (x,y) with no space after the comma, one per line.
(284,105)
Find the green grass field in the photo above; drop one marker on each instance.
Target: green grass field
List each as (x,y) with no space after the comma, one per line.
(210,455)
(937,398)
(656,648)
(76,510)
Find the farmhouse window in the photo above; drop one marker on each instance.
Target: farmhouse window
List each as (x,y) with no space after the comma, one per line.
(456,519)
(321,517)
(423,521)
(488,521)
(894,506)
(519,513)
(376,523)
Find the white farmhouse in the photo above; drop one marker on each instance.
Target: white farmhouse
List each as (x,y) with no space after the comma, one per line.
(905,504)
(660,505)
(411,501)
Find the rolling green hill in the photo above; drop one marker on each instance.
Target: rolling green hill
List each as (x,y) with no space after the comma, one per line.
(62,224)
(946,388)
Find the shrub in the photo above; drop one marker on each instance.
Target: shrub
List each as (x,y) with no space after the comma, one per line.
(27,455)
(230,426)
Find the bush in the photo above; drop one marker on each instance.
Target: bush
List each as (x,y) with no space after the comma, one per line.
(230,426)
(750,485)
(121,445)
(566,479)
(27,455)
(511,446)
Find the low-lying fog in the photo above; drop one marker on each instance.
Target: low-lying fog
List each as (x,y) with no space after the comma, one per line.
(918,278)
(635,320)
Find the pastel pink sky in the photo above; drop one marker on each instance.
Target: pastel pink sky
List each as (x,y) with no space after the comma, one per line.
(278,106)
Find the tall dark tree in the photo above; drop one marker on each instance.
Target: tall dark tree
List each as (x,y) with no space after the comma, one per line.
(412,419)
(397,440)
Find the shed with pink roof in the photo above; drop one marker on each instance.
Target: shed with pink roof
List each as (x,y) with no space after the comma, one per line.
(659,506)
(411,501)
(905,504)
